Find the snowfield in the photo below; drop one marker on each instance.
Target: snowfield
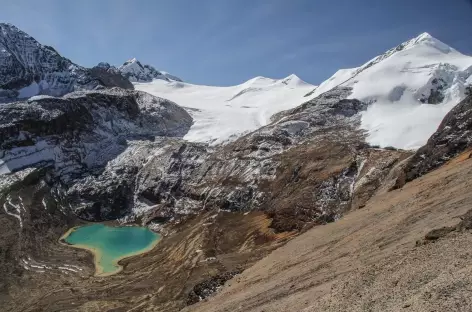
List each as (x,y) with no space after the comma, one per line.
(222,114)
(399,84)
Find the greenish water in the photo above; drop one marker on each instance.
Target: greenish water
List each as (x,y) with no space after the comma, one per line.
(110,244)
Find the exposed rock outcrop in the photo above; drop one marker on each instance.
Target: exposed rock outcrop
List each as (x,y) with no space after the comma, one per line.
(453,137)
(110,77)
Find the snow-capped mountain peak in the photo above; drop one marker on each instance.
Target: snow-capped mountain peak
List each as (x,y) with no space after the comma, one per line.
(28,68)
(135,71)
(292,77)
(411,88)
(426,39)
(293,81)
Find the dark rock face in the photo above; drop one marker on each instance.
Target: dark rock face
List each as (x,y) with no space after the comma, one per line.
(208,287)
(79,111)
(436,95)
(153,180)
(453,137)
(77,136)
(28,68)
(110,77)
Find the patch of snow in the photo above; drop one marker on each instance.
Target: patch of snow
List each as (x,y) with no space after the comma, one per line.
(39,97)
(67,269)
(75,267)
(43,201)
(4,169)
(17,208)
(21,157)
(406,125)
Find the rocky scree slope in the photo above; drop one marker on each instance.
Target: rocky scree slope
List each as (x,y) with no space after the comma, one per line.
(406,250)
(28,68)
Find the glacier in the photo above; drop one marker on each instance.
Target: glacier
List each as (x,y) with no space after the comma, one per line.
(222,114)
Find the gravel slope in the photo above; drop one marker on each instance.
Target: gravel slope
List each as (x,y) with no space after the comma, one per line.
(374,259)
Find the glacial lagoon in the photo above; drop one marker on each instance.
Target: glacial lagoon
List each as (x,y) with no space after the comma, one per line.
(110,244)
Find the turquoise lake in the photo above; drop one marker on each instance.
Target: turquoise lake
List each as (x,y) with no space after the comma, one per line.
(110,244)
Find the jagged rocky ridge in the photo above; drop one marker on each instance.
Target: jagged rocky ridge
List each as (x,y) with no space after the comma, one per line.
(78,134)
(28,68)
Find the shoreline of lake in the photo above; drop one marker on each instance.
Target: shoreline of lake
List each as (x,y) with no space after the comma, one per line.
(97,253)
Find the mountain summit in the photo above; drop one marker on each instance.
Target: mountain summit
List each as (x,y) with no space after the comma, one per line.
(410,88)
(28,68)
(136,72)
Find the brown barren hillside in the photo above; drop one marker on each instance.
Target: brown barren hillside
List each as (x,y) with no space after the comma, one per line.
(406,250)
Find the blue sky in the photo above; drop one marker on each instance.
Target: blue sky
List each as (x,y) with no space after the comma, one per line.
(224,42)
